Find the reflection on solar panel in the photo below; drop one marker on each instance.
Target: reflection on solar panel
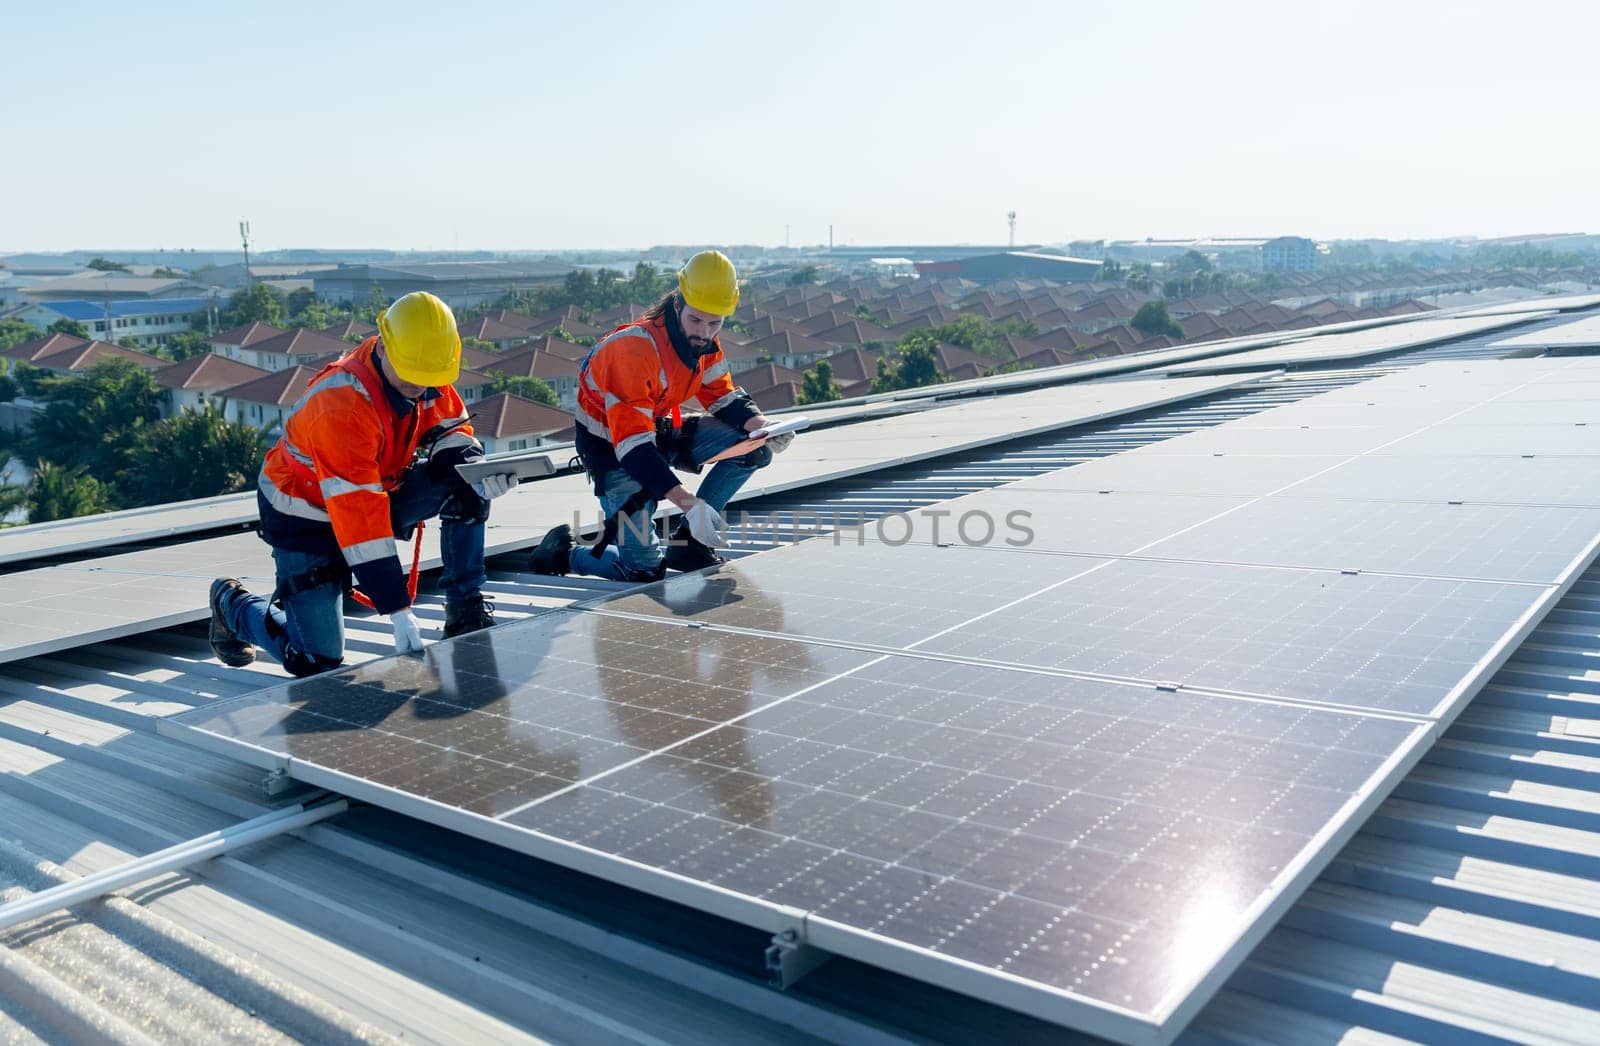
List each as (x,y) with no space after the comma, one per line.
(1081,848)
(1080,778)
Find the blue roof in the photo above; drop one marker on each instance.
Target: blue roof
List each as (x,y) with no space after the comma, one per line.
(96,310)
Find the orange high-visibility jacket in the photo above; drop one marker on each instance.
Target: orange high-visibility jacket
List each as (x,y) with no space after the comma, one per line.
(346,444)
(633,376)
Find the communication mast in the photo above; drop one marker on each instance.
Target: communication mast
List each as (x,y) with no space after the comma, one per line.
(1011,220)
(244,236)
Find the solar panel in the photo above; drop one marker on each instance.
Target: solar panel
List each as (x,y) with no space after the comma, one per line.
(1356,345)
(1087,850)
(1519,440)
(1488,479)
(1396,644)
(1508,543)
(1572,334)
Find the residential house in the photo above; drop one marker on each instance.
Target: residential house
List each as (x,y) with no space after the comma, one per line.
(292,348)
(353,331)
(266,401)
(504,423)
(792,350)
(853,365)
(35,349)
(472,385)
(192,383)
(560,373)
(81,357)
(231,343)
(500,335)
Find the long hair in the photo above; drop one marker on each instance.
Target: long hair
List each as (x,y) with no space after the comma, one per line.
(667,306)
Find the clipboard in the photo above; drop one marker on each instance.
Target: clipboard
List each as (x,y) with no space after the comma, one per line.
(525,466)
(760,436)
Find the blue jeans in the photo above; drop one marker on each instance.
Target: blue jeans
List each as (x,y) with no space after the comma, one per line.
(636,553)
(306,633)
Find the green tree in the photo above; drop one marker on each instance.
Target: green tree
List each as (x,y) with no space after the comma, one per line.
(107,265)
(1190,262)
(66,326)
(529,388)
(164,273)
(8,389)
(257,303)
(58,492)
(15,332)
(218,456)
(1152,319)
(186,345)
(818,386)
(30,379)
(95,419)
(806,274)
(915,368)
(866,315)
(12,497)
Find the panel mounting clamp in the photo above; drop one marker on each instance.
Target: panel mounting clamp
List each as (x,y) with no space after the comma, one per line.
(789,959)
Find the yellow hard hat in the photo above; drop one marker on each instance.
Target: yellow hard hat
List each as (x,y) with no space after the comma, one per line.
(420,340)
(708,283)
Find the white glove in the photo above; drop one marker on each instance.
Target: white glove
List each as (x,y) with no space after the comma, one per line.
(407,636)
(491,487)
(780,443)
(706,525)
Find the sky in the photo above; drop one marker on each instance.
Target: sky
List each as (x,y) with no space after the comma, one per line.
(541,125)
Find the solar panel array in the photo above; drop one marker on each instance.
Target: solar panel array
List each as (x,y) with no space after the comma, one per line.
(1358,345)
(1078,774)
(52,608)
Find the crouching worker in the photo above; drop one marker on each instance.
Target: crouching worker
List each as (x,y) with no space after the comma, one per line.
(346,479)
(630,433)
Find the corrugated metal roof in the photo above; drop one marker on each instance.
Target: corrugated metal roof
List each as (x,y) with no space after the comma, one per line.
(1467,909)
(93,310)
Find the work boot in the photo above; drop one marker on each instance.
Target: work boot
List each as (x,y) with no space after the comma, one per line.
(225,642)
(685,553)
(553,556)
(469,615)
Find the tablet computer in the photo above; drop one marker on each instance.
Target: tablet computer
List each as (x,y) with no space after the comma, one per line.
(525,466)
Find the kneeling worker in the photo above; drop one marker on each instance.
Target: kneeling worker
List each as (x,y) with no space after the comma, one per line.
(346,478)
(628,434)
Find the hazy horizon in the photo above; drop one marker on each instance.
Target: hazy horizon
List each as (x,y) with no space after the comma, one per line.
(506,127)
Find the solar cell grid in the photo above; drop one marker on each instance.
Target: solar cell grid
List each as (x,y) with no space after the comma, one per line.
(1396,644)
(1508,543)
(964,811)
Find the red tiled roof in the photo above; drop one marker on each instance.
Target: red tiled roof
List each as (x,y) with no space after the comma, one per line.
(773,397)
(300,342)
(38,348)
(207,371)
(350,328)
(485,329)
(86,355)
(247,335)
(504,416)
(281,388)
